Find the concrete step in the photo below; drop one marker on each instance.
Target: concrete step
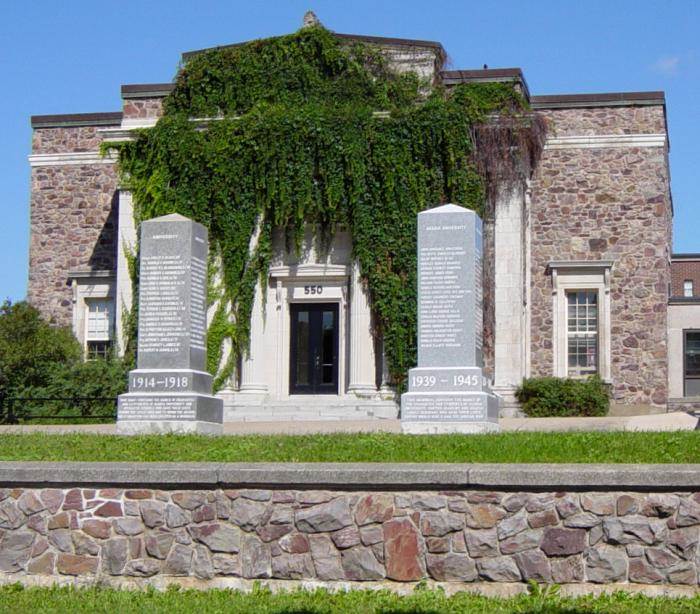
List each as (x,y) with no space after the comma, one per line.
(510,408)
(286,411)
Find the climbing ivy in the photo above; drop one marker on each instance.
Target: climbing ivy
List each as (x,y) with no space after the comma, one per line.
(303,130)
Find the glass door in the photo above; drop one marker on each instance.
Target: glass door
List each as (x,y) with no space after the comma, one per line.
(313,365)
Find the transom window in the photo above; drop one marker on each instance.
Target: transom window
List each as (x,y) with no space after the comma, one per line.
(582,332)
(688,288)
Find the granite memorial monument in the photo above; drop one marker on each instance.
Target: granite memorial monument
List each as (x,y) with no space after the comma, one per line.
(170,390)
(447,391)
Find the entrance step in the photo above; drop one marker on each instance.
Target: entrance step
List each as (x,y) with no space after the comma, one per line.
(313,410)
(510,408)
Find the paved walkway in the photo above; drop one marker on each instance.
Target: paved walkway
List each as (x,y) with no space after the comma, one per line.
(658,422)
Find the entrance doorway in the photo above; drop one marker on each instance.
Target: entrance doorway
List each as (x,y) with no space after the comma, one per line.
(313,365)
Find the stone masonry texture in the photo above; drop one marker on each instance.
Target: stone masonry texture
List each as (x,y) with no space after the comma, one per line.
(461,536)
(607,204)
(142,108)
(73,226)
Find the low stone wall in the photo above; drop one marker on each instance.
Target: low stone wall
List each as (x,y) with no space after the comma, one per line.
(357,523)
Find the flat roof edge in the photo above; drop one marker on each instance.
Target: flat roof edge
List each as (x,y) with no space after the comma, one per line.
(146,90)
(607,99)
(686,256)
(76,119)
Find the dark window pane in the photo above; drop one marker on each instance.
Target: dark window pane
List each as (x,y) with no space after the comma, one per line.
(98,349)
(302,366)
(692,354)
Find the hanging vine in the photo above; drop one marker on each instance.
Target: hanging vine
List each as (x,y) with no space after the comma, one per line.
(291,137)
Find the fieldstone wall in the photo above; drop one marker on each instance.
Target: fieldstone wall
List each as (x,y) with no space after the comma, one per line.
(454,536)
(66,139)
(143,108)
(73,226)
(608,204)
(606,120)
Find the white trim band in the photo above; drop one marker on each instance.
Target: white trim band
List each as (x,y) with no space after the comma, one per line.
(72,158)
(605,141)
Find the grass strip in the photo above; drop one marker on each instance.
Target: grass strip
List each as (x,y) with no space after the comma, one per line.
(16,599)
(588,447)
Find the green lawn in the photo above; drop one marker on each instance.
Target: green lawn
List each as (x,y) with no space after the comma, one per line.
(678,447)
(16,599)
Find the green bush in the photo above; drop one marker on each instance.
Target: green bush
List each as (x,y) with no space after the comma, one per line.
(29,347)
(86,382)
(38,359)
(542,397)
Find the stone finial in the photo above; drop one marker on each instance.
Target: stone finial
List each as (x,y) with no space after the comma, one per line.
(310,20)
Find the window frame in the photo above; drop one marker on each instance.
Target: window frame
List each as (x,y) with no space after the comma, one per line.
(95,301)
(595,334)
(686,283)
(591,276)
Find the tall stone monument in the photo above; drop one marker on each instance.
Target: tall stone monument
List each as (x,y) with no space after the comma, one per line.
(170,390)
(447,392)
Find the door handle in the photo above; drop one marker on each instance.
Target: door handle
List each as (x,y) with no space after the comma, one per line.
(317,360)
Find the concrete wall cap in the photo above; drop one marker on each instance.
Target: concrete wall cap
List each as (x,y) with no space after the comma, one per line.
(372,476)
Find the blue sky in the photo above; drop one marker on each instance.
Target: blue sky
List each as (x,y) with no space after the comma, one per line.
(72,57)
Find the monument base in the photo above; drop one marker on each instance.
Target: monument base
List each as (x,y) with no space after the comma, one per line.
(162,427)
(181,412)
(443,428)
(449,411)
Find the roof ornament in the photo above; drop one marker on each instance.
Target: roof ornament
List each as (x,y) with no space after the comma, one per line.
(310,20)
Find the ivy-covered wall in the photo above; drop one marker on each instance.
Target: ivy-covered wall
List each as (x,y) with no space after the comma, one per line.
(301,130)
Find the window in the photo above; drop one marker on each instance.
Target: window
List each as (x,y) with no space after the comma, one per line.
(98,333)
(582,332)
(688,288)
(99,349)
(691,363)
(581,319)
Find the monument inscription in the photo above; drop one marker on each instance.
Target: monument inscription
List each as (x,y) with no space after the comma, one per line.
(447,391)
(170,389)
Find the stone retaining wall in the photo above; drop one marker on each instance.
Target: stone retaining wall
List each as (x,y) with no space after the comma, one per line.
(351,523)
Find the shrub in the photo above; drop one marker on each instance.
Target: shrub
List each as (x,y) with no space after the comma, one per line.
(83,381)
(29,347)
(40,360)
(541,397)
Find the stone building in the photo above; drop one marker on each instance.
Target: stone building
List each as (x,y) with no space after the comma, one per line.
(578,258)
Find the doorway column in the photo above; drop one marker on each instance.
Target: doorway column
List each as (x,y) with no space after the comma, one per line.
(253,364)
(362,355)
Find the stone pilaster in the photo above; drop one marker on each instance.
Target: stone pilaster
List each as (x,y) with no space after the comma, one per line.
(253,364)
(509,298)
(362,355)
(126,245)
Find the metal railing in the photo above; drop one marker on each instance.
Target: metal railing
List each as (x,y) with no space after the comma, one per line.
(57,410)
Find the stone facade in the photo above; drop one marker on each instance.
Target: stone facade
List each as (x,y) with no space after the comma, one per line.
(599,193)
(66,139)
(613,119)
(142,108)
(73,227)
(465,536)
(608,203)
